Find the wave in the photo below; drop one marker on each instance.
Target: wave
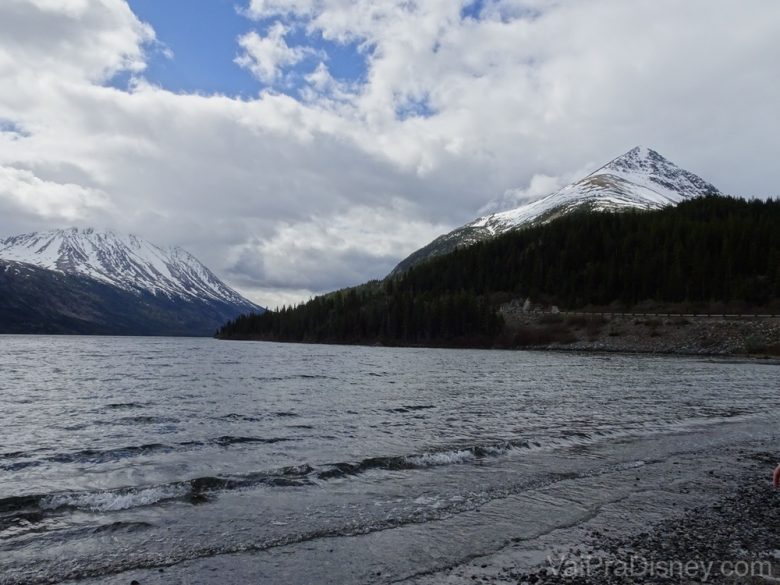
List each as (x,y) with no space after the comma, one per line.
(292,377)
(18,460)
(423,511)
(202,489)
(422,460)
(143,420)
(19,465)
(103,456)
(15,503)
(13,455)
(21,454)
(467,454)
(94,456)
(411,407)
(100,456)
(126,405)
(116,527)
(230,440)
(113,500)
(193,491)
(233,416)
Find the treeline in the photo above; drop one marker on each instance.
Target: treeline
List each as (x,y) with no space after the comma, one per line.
(371,314)
(712,249)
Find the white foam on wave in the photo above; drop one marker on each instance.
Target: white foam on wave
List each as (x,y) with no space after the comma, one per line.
(114,500)
(441,458)
(436,458)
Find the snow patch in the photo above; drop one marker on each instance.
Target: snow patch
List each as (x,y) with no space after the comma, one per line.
(639,179)
(124,261)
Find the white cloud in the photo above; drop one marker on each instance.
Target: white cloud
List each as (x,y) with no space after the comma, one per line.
(539,186)
(23,192)
(266,56)
(268,8)
(324,253)
(71,39)
(328,91)
(285,196)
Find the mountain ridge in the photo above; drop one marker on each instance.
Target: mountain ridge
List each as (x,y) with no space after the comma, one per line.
(102,282)
(126,261)
(639,179)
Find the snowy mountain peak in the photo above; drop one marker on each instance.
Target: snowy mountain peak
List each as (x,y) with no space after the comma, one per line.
(641,164)
(638,159)
(639,179)
(125,261)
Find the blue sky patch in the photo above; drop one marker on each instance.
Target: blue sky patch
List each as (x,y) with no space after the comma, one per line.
(473,9)
(203,39)
(415,109)
(11,127)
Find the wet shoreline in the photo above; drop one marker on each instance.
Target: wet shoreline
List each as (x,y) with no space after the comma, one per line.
(733,540)
(686,501)
(723,526)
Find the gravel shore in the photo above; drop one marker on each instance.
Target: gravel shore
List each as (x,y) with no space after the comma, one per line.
(698,516)
(735,540)
(731,538)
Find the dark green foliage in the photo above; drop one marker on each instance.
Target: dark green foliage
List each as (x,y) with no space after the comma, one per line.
(707,250)
(376,314)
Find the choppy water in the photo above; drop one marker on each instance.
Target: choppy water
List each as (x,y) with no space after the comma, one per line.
(126,453)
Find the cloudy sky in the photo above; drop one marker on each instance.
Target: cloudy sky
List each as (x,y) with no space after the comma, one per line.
(297,146)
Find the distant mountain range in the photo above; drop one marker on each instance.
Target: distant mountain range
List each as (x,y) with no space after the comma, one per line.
(639,179)
(90,281)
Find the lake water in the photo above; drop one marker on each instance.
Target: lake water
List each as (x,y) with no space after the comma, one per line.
(118,454)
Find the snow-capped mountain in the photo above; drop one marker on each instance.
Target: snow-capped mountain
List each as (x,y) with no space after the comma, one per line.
(99,281)
(638,179)
(125,261)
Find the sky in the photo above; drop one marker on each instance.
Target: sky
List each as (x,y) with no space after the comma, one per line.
(299,146)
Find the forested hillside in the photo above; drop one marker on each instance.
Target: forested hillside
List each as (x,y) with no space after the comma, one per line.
(707,250)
